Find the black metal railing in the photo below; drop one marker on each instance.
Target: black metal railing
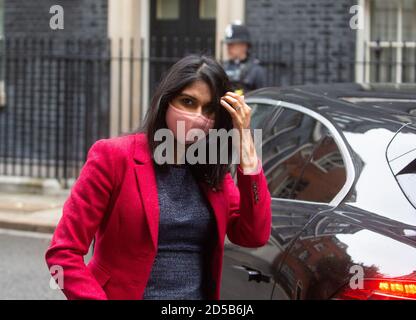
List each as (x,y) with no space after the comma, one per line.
(289,62)
(56,104)
(59,96)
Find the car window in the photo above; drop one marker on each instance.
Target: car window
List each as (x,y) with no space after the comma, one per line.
(325,175)
(407,181)
(401,155)
(301,160)
(262,112)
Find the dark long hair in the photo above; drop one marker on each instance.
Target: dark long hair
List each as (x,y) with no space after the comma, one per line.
(182,74)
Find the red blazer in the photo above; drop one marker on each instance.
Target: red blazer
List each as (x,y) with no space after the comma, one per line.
(115,199)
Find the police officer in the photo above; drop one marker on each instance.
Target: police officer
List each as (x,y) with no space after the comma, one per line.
(244,71)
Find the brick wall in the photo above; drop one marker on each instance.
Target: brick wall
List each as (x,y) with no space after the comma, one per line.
(319,32)
(57,96)
(86,18)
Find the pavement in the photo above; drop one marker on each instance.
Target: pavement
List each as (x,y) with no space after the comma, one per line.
(29,213)
(23,269)
(37,212)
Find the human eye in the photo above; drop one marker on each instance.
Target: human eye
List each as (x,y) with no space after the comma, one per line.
(187,101)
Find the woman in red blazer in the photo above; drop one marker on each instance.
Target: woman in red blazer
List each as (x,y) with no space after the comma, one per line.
(115,198)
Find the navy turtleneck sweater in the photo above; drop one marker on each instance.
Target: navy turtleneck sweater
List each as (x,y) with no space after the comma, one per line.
(187,231)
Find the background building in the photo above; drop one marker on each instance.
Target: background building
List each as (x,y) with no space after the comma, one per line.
(60,90)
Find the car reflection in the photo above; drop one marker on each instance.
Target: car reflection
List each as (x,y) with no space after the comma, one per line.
(333,168)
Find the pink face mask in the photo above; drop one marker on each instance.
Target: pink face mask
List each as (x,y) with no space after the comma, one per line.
(191,120)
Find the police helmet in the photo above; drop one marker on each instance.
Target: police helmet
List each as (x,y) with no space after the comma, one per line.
(237,33)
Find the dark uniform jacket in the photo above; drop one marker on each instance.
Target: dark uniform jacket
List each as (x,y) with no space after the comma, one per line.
(245,75)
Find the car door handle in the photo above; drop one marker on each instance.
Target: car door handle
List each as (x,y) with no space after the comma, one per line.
(253,274)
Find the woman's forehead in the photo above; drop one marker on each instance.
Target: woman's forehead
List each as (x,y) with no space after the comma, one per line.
(198,90)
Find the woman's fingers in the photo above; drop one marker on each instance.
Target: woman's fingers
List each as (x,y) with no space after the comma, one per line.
(232,101)
(237,97)
(238,109)
(237,117)
(229,108)
(237,100)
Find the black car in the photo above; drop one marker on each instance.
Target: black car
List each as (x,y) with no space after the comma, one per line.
(340,161)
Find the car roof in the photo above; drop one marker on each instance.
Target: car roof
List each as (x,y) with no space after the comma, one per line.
(390,104)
